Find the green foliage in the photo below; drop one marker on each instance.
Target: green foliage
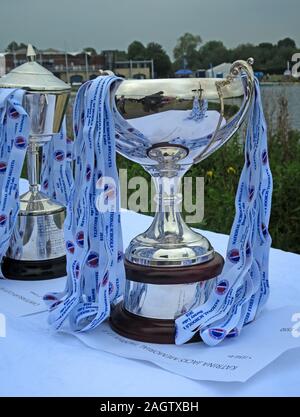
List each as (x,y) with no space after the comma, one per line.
(213,52)
(221,172)
(268,58)
(121,55)
(285,165)
(286,43)
(162,62)
(136,51)
(221,175)
(187,49)
(15,46)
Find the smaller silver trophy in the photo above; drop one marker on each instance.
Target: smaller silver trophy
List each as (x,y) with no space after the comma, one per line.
(37,248)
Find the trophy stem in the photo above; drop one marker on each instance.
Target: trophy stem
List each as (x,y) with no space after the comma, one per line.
(168,241)
(168,200)
(33,165)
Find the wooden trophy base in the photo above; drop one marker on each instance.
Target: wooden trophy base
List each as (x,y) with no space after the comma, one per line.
(155,330)
(34,270)
(141,328)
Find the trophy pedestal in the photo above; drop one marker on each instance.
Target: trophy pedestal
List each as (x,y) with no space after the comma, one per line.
(37,246)
(141,328)
(156,296)
(34,270)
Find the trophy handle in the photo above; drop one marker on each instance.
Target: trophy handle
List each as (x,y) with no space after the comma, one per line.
(223,134)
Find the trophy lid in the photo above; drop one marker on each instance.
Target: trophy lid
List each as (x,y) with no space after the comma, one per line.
(32,76)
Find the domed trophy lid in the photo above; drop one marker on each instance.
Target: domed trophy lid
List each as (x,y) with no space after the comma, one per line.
(32,76)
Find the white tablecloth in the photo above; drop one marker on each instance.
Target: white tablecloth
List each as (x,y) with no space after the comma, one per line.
(46,364)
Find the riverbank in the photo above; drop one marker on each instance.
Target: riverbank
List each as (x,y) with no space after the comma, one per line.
(274,83)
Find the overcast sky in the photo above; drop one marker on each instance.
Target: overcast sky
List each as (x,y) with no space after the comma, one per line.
(107,24)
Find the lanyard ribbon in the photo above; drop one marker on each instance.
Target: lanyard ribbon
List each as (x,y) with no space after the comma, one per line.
(14,133)
(92,228)
(57,167)
(242,289)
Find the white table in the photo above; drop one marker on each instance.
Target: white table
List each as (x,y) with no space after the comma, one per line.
(34,363)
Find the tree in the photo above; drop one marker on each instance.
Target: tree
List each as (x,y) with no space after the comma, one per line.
(162,62)
(284,52)
(287,43)
(264,54)
(120,55)
(186,50)
(136,51)
(266,45)
(213,52)
(90,51)
(244,51)
(14,46)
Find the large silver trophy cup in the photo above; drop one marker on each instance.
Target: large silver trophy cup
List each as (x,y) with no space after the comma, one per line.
(37,248)
(171,268)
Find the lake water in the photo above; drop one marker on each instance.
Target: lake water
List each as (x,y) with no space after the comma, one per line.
(271,94)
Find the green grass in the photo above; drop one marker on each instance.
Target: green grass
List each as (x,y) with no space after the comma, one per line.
(221,172)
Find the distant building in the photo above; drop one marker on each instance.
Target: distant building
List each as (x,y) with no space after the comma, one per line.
(77,67)
(128,69)
(134,69)
(69,66)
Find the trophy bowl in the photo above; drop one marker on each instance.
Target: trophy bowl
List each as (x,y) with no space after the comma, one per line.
(166,127)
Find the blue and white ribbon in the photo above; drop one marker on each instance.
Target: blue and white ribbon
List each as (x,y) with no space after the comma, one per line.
(57,167)
(242,289)
(14,133)
(92,228)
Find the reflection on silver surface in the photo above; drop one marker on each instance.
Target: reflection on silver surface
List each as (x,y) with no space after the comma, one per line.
(38,234)
(46,112)
(165,302)
(160,135)
(181,88)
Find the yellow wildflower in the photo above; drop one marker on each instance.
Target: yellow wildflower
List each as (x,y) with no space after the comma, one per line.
(231,170)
